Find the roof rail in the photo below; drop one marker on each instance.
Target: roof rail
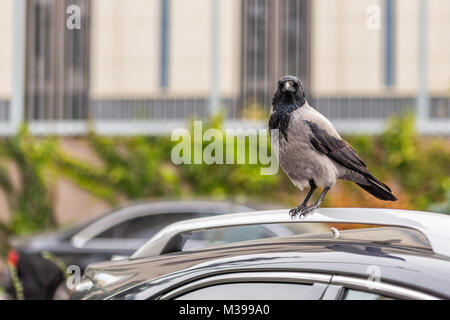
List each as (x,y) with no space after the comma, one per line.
(435,227)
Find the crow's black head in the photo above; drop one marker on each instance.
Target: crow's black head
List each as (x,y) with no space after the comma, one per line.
(288,97)
(289,93)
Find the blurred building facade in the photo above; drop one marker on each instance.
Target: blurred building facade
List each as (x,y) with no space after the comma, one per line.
(152,59)
(6,53)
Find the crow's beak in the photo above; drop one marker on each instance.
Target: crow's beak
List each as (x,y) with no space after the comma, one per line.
(288,87)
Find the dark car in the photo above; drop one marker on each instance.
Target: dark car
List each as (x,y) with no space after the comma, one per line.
(406,256)
(40,259)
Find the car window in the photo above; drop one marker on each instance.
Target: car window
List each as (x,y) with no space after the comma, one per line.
(146,226)
(251,291)
(351,294)
(204,238)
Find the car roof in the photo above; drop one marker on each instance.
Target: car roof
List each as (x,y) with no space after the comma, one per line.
(405,259)
(83,231)
(139,209)
(433,226)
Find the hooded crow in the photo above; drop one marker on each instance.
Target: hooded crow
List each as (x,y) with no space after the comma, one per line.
(311,151)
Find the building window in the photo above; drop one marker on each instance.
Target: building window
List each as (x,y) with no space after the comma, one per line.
(389,47)
(57,62)
(274,43)
(164,59)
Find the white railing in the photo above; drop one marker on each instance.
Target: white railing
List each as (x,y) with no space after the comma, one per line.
(157,127)
(123,123)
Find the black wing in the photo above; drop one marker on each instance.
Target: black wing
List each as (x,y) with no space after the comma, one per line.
(341,152)
(337,149)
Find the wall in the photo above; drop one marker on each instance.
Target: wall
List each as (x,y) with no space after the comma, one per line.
(124,54)
(347,57)
(6,46)
(126,48)
(345,54)
(71,203)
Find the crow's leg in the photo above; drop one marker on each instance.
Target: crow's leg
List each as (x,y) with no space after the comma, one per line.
(295,211)
(308,210)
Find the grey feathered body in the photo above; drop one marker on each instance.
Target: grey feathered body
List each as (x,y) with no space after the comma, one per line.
(309,149)
(300,160)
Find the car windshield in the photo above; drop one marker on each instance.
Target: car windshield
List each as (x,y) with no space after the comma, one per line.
(146,226)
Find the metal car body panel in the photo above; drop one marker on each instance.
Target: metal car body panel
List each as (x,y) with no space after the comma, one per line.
(40,275)
(411,267)
(432,225)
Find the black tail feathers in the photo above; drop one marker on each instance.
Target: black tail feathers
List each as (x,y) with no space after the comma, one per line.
(378,189)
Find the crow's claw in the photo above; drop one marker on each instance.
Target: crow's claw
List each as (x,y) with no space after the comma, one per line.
(293,213)
(305,212)
(297,211)
(301,211)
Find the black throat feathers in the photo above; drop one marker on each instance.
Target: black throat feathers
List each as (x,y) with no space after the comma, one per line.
(283,106)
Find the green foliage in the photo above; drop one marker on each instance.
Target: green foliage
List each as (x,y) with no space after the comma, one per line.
(57,261)
(141,168)
(421,166)
(31,204)
(399,142)
(227,180)
(84,175)
(134,168)
(132,165)
(17,283)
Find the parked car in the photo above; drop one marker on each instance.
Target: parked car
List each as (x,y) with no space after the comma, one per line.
(406,256)
(113,236)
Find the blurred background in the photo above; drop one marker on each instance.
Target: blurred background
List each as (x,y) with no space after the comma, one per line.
(90,91)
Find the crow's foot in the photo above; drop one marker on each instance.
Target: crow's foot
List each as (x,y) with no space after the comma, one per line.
(301,211)
(294,212)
